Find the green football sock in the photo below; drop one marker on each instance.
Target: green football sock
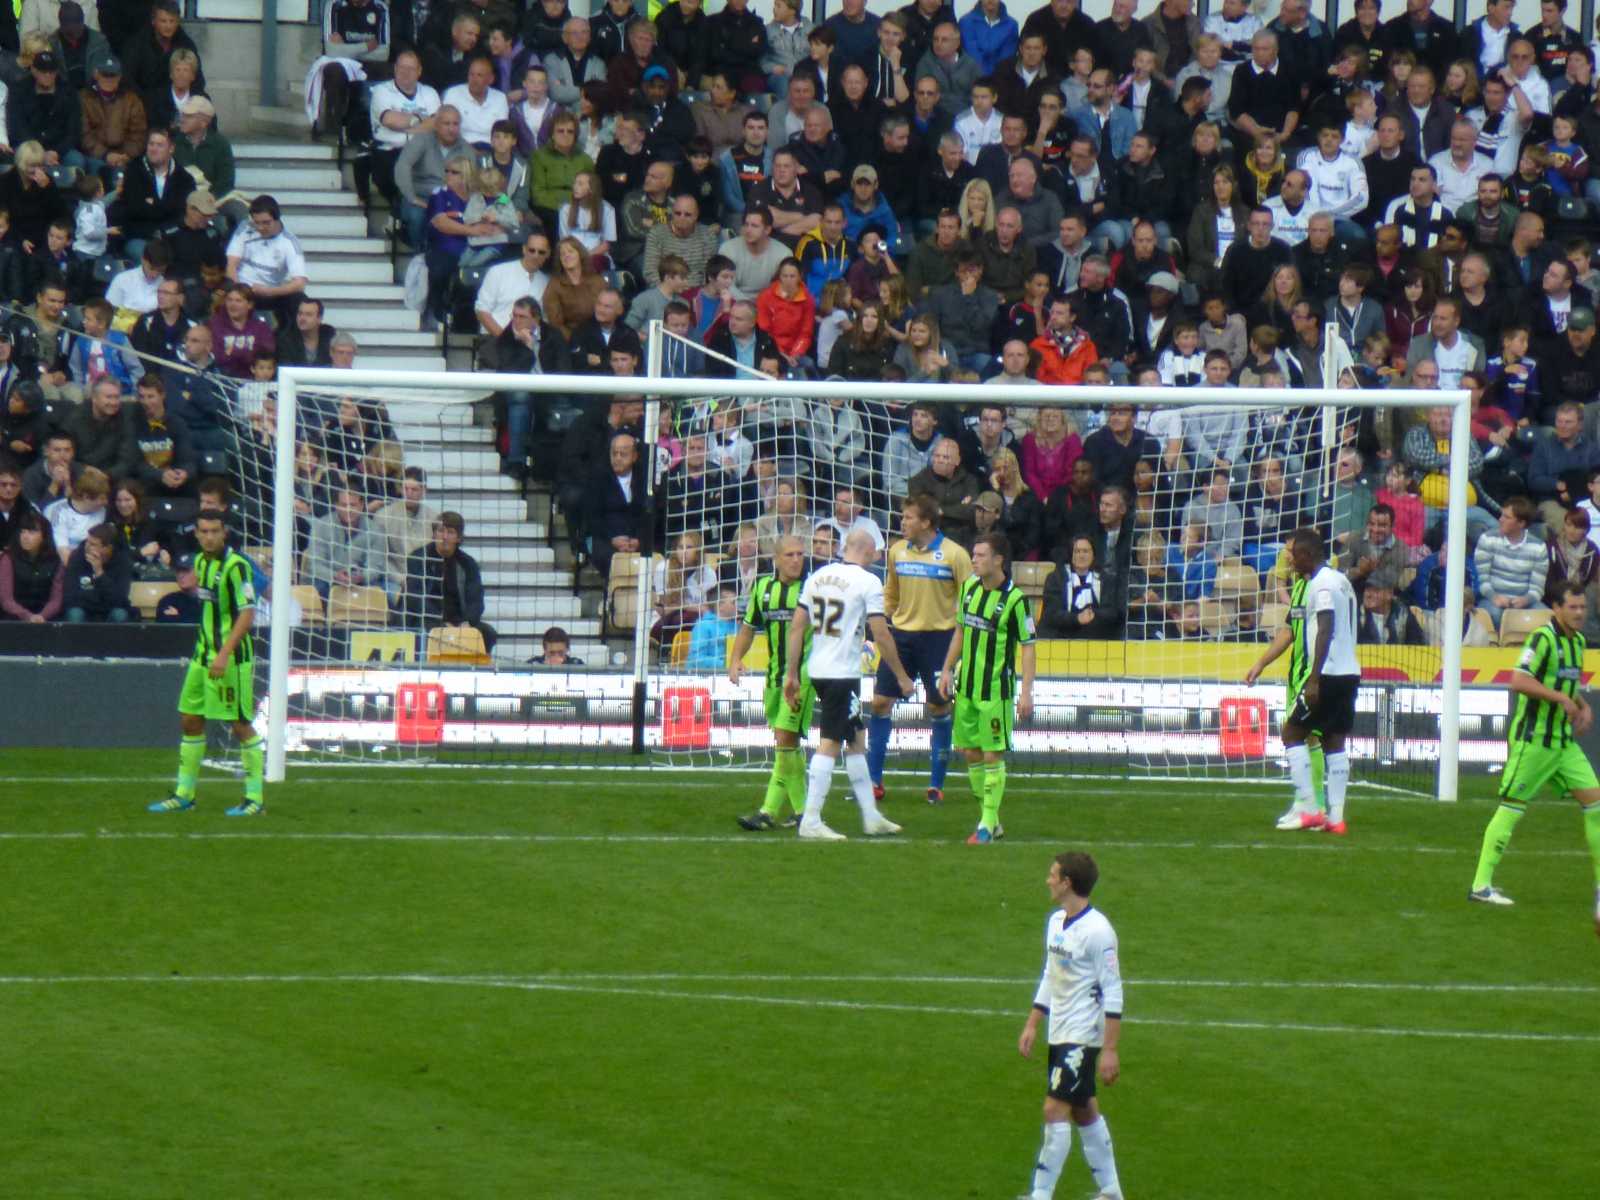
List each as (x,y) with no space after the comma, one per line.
(992,795)
(777,785)
(191,750)
(1591,830)
(795,778)
(1495,839)
(250,752)
(978,777)
(1319,776)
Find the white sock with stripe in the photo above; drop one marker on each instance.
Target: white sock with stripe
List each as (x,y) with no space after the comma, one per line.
(1052,1157)
(1338,780)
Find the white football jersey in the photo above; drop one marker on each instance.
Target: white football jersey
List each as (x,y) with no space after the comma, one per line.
(839,599)
(1329,591)
(1082,981)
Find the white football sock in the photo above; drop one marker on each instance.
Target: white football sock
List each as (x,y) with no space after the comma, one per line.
(1097,1152)
(1300,773)
(855,767)
(820,775)
(1052,1157)
(1338,779)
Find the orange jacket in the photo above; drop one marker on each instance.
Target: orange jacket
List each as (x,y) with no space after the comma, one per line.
(789,322)
(1058,366)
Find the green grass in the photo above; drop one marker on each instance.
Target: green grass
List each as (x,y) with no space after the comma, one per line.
(557,997)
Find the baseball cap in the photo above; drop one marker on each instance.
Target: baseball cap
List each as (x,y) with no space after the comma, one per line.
(45,61)
(864,171)
(1165,280)
(197,106)
(991,501)
(204,201)
(1581,318)
(70,14)
(655,73)
(184,562)
(107,64)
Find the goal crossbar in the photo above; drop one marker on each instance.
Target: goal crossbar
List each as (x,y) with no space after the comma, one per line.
(291,380)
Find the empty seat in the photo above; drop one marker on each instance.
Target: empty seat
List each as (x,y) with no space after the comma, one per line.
(1517,623)
(357,606)
(145,595)
(457,644)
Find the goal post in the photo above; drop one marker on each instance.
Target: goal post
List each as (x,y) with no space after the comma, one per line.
(298,385)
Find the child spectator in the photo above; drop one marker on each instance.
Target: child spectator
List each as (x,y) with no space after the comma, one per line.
(1427,588)
(872,266)
(32,575)
(1410,518)
(833,317)
(1223,330)
(79,511)
(1513,378)
(261,386)
(98,352)
(1569,161)
(708,640)
(1192,563)
(1571,557)
(1183,363)
(99,577)
(490,203)
(979,126)
(1361,130)
(1374,371)
(1581,255)
(1528,189)
(89,225)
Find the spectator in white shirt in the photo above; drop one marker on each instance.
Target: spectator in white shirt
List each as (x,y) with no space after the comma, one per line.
(979,126)
(1290,208)
(267,258)
(1338,183)
(509,282)
(136,287)
(1461,166)
(1501,120)
(401,108)
(479,103)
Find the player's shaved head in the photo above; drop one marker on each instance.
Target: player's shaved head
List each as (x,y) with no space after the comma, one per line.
(859,548)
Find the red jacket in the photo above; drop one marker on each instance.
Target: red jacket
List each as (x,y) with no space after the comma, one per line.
(1058,366)
(790,323)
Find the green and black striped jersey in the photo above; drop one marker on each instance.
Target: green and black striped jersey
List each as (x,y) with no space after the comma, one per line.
(1554,659)
(994,622)
(1299,660)
(772,604)
(227,588)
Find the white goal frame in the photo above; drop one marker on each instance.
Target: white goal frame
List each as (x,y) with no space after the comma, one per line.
(330,379)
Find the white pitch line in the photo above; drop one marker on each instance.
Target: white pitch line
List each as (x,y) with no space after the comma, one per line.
(584,989)
(1303,845)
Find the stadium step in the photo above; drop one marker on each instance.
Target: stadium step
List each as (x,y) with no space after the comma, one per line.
(506,573)
(292,199)
(319,246)
(454,477)
(403,362)
(361,293)
(349,269)
(395,316)
(447,413)
(390,338)
(481,508)
(491,530)
(310,226)
(278,152)
(439,438)
(254,180)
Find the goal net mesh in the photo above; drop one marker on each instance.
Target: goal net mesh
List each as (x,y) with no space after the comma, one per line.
(1154,590)
(415,637)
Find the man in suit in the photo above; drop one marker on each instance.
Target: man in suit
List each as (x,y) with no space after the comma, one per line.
(614,504)
(1430,37)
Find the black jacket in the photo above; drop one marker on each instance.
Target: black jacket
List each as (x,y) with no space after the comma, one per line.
(722,343)
(1114,462)
(143,213)
(735,43)
(1246,271)
(442,592)
(1060,620)
(158,447)
(608,512)
(53,119)
(146,64)
(32,210)
(507,354)
(1440,46)
(588,339)
(203,401)
(153,336)
(97,596)
(937,190)
(291,349)
(1105,317)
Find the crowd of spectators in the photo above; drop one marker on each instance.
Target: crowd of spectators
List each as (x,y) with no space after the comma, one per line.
(937,196)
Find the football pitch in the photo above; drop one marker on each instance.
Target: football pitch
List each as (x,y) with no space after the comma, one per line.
(586,985)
